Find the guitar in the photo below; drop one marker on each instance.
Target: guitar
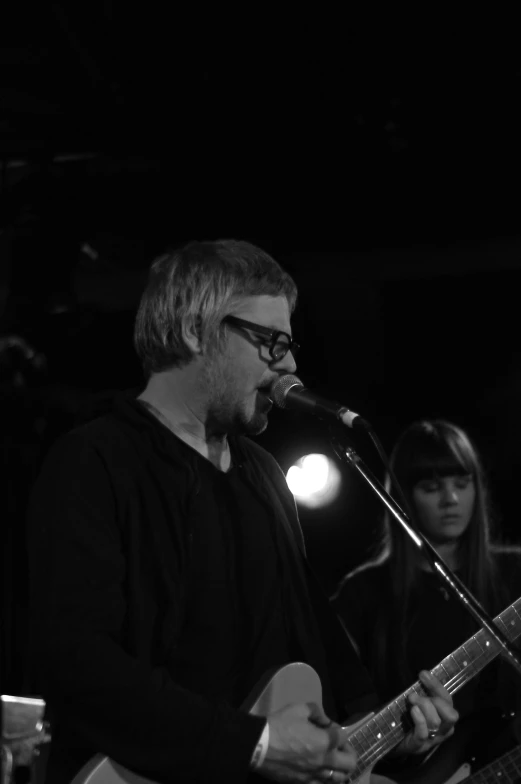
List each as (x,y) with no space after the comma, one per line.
(372,737)
(506,768)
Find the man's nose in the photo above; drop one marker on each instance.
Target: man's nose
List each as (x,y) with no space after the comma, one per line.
(287,363)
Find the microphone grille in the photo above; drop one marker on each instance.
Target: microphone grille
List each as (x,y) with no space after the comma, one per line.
(281,386)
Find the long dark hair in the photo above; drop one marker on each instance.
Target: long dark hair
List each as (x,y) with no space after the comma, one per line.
(430,449)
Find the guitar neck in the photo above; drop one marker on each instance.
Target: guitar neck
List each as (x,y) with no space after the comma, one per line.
(507,768)
(382,732)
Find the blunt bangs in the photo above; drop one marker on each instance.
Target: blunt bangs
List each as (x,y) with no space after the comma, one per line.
(439,466)
(430,451)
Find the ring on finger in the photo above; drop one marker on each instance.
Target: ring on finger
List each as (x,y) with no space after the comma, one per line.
(432,734)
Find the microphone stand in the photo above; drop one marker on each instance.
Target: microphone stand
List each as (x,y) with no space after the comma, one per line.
(440,568)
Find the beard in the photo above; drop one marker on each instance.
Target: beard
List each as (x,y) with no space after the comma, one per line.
(232,416)
(257,422)
(228,410)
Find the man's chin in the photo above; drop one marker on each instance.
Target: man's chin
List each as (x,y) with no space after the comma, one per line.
(254,426)
(259,427)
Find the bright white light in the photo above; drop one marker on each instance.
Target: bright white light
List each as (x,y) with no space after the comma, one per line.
(314,480)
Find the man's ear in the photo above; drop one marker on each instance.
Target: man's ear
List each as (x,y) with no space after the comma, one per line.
(191,332)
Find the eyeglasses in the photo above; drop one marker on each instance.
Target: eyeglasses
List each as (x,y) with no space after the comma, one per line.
(279,342)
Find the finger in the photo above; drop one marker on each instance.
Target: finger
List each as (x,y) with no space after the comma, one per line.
(434,687)
(342,735)
(441,699)
(428,728)
(421,727)
(448,716)
(338,736)
(343,761)
(317,715)
(429,711)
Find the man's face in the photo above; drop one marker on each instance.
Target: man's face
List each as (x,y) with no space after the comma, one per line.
(239,376)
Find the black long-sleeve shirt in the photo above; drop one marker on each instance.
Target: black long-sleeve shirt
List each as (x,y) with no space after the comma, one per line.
(161,590)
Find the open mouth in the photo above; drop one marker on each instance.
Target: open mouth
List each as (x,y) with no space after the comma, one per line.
(264,392)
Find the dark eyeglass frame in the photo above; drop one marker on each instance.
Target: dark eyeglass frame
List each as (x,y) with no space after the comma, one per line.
(272,334)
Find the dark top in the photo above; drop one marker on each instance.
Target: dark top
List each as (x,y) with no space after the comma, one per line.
(162,589)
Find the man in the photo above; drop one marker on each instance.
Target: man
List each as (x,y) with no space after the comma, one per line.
(167,559)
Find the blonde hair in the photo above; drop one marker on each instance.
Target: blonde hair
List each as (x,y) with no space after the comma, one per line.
(196,285)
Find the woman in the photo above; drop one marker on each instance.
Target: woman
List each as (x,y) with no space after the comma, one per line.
(395,608)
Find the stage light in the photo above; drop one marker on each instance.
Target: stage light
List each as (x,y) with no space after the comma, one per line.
(314,480)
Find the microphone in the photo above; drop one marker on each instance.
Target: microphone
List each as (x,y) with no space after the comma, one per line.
(289,392)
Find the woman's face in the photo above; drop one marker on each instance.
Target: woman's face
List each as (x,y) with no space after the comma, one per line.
(444,506)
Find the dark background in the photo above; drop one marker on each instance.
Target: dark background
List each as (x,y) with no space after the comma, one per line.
(377,159)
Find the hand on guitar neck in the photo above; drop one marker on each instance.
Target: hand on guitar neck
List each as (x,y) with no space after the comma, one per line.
(433,715)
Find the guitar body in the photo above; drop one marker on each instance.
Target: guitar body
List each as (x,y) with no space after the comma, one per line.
(294,683)
(460,774)
(102,770)
(477,741)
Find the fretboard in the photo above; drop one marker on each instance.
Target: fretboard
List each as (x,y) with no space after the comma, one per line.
(379,734)
(506,769)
